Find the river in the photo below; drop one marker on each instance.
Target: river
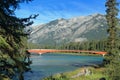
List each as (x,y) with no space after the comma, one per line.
(51,63)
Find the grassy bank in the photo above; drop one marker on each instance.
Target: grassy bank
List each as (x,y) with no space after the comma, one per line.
(94,74)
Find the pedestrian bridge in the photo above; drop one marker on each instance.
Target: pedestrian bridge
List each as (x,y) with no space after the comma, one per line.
(43,51)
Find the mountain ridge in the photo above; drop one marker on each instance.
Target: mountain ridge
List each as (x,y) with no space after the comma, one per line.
(75,29)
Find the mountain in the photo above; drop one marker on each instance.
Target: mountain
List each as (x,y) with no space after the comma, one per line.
(77,29)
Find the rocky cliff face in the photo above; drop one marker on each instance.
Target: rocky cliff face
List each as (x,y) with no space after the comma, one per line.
(76,29)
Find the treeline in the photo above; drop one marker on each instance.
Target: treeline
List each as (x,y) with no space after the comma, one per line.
(98,45)
(39,46)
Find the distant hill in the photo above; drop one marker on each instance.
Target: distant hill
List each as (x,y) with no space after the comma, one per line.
(77,29)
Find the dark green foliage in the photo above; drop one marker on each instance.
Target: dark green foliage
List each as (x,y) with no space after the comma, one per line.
(14,60)
(112,21)
(88,45)
(112,59)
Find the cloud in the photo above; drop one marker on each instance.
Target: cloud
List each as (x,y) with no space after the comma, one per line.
(52,9)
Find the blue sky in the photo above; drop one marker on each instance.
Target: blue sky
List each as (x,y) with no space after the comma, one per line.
(52,9)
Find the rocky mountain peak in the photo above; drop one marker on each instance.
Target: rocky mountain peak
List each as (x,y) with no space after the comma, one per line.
(62,30)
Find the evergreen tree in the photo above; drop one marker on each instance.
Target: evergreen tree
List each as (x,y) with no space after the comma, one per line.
(14,60)
(112,59)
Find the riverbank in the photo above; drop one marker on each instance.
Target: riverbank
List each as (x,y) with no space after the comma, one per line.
(84,73)
(81,54)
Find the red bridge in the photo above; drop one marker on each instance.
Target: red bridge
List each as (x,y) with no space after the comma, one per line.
(42,51)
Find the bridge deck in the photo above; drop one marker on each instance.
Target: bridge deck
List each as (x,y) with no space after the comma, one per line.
(42,51)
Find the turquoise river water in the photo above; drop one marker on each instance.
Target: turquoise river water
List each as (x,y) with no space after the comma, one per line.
(47,64)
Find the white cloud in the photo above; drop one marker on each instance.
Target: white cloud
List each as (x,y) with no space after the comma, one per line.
(51,11)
